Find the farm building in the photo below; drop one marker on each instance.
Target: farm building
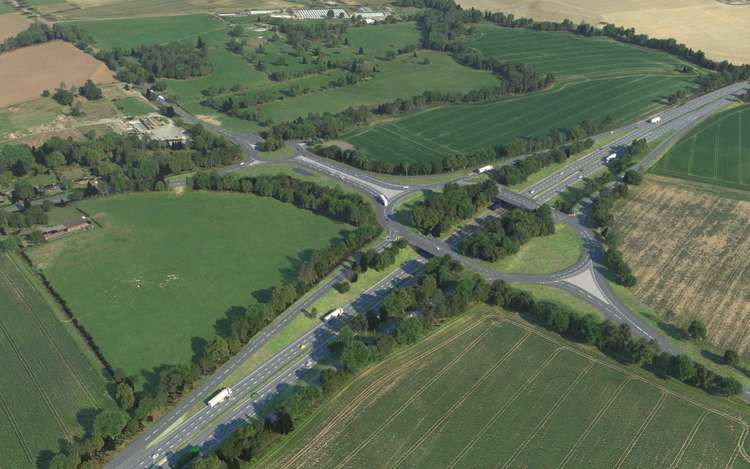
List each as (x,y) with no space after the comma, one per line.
(158,128)
(57,231)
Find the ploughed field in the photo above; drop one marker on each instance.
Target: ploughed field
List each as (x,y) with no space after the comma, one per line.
(690,250)
(151,283)
(716,152)
(490,392)
(49,384)
(595,77)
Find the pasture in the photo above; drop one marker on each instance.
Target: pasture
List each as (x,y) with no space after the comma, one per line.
(716,152)
(701,239)
(442,131)
(492,391)
(151,283)
(26,72)
(50,381)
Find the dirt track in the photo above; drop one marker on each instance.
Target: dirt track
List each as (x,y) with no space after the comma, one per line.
(26,72)
(720,30)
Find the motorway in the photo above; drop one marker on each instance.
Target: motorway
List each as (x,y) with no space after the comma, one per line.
(584,280)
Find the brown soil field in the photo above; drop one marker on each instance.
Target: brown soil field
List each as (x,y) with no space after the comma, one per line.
(719,29)
(12,24)
(690,250)
(26,72)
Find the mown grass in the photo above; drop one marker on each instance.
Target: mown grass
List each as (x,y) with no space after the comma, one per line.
(479,392)
(716,152)
(51,383)
(560,297)
(133,106)
(152,282)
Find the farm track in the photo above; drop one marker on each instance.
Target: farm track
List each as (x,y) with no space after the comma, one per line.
(48,335)
(655,410)
(688,441)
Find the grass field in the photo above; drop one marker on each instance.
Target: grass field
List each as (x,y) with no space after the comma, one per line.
(164,268)
(560,297)
(594,77)
(716,152)
(690,249)
(49,386)
(490,391)
(133,32)
(131,106)
(545,254)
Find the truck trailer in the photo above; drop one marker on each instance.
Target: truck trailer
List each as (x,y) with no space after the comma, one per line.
(611,157)
(383,200)
(484,169)
(220,397)
(333,314)
(654,120)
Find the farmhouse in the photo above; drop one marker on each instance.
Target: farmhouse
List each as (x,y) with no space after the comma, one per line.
(58,231)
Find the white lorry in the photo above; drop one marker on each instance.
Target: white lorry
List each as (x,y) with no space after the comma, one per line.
(383,200)
(484,169)
(610,157)
(333,314)
(654,120)
(220,397)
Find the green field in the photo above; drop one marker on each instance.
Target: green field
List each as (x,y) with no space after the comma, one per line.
(544,254)
(485,392)
(154,279)
(594,78)
(6,8)
(133,106)
(48,384)
(716,152)
(134,32)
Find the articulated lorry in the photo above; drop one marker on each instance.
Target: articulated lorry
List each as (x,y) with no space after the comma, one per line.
(220,397)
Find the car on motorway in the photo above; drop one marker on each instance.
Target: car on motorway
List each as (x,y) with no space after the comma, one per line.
(302,346)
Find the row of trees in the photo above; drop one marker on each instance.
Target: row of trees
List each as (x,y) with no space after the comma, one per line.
(39,33)
(519,171)
(178,60)
(499,238)
(441,210)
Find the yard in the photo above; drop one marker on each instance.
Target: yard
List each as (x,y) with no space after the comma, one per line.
(492,391)
(152,282)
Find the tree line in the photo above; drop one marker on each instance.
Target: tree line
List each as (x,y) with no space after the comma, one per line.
(41,33)
(501,237)
(441,210)
(113,428)
(519,171)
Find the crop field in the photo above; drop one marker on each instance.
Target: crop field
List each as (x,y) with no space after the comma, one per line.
(48,384)
(95,9)
(164,268)
(446,130)
(11,23)
(26,72)
(492,391)
(708,25)
(568,56)
(690,250)
(128,33)
(716,152)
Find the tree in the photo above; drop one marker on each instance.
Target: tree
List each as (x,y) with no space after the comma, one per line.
(330,14)
(22,190)
(632,177)
(209,462)
(64,461)
(10,243)
(361,51)
(697,330)
(125,396)
(237,31)
(90,91)
(63,96)
(409,330)
(731,358)
(109,423)
(355,356)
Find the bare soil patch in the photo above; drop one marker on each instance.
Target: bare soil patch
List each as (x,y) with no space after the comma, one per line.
(26,72)
(690,250)
(709,25)
(12,24)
